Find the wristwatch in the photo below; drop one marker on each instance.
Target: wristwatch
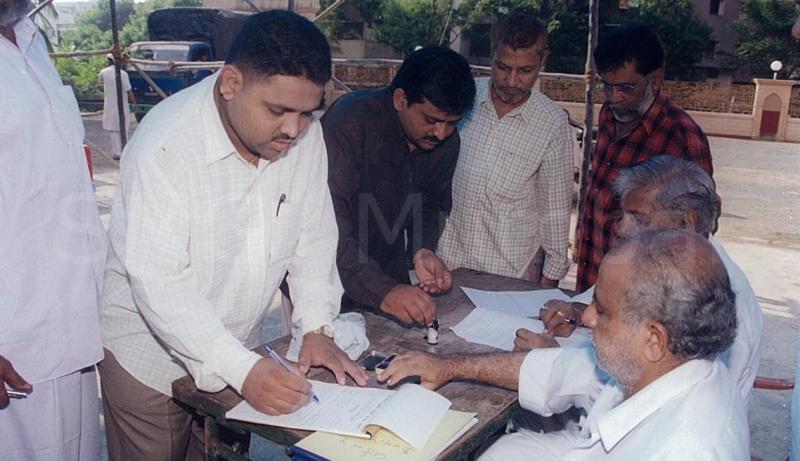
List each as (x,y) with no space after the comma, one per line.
(324,330)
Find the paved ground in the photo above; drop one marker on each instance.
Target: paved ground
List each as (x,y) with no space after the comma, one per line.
(760,227)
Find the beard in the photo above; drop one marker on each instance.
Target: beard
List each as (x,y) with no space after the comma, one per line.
(12,10)
(615,356)
(510,95)
(629,114)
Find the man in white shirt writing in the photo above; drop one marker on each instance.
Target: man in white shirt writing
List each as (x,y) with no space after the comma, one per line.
(223,191)
(662,311)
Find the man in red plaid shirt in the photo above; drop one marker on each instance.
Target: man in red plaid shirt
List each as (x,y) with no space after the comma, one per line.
(637,122)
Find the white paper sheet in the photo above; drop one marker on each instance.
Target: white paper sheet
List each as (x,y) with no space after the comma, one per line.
(519,303)
(498,329)
(411,412)
(345,408)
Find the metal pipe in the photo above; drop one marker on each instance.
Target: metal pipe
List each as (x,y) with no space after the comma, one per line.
(594,13)
(148,80)
(116,51)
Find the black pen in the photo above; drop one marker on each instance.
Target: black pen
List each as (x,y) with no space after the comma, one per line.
(280,202)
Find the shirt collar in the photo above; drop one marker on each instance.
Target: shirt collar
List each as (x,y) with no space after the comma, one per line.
(625,417)
(218,144)
(25,31)
(650,119)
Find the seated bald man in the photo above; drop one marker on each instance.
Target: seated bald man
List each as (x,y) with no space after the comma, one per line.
(662,311)
(664,193)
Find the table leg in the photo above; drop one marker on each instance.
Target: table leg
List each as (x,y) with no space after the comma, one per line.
(222,443)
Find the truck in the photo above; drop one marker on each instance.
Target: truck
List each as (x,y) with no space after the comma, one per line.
(179,35)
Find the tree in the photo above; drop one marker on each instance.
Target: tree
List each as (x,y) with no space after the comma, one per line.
(685,38)
(406,24)
(93,32)
(349,18)
(765,36)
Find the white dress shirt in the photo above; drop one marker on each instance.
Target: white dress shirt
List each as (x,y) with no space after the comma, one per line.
(201,239)
(512,188)
(693,412)
(52,245)
(744,354)
(110,111)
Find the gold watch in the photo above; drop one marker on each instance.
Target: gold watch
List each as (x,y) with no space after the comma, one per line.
(324,330)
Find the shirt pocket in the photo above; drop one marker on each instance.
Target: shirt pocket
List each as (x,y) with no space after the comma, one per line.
(508,178)
(284,230)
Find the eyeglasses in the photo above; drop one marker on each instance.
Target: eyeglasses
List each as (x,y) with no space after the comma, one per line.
(625,88)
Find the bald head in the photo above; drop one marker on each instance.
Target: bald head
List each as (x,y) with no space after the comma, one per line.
(678,280)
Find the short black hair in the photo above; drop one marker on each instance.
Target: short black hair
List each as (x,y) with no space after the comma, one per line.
(439,75)
(280,42)
(637,44)
(518,29)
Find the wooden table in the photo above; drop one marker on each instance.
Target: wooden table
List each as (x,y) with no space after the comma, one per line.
(494,406)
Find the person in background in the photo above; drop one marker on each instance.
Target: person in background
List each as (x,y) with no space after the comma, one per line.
(110,108)
(391,153)
(637,121)
(52,253)
(512,188)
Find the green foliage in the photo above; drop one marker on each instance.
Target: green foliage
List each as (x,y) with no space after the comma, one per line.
(82,72)
(93,32)
(765,35)
(406,24)
(347,21)
(685,37)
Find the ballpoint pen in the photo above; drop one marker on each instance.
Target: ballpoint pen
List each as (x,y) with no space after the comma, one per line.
(16,394)
(564,319)
(285,366)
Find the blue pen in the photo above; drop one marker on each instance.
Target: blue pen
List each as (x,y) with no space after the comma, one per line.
(285,366)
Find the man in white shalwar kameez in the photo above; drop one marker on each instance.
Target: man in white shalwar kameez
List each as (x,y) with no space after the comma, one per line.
(52,252)
(110,109)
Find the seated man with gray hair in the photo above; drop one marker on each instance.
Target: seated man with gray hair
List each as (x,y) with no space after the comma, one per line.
(662,312)
(662,193)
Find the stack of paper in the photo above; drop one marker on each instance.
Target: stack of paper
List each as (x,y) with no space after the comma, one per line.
(385,445)
(411,412)
(499,314)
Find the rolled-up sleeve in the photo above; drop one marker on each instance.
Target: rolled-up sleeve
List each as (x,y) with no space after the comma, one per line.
(165,287)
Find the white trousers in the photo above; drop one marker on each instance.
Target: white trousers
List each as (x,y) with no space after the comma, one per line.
(116,144)
(58,421)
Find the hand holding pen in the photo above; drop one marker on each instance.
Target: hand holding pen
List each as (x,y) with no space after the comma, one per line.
(14,387)
(276,357)
(273,390)
(560,318)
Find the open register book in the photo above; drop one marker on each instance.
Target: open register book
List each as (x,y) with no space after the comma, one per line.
(384,445)
(411,412)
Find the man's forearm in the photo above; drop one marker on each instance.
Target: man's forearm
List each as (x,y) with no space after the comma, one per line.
(500,370)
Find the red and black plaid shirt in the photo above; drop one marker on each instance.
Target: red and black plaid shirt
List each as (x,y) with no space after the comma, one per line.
(665,129)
